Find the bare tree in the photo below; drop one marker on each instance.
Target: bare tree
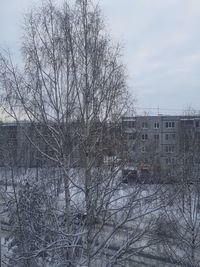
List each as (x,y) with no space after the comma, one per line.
(73,93)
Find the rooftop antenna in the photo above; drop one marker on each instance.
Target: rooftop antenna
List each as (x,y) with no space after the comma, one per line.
(158,110)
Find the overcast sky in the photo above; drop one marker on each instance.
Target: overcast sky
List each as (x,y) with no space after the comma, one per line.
(161,40)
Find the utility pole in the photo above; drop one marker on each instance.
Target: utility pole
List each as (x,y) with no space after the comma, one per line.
(0,240)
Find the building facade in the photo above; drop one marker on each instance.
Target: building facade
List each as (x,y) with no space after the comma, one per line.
(146,142)
(156,142)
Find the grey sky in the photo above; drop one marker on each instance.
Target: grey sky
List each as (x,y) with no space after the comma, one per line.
(161,40)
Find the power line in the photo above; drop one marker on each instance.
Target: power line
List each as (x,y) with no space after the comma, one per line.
(158,108)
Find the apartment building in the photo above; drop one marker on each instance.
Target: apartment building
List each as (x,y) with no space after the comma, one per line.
(147,142)
(155,142)
(26,144)
(16,148)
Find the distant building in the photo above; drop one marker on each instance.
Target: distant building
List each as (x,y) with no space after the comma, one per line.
(155,142)
(148,143)
(27,144)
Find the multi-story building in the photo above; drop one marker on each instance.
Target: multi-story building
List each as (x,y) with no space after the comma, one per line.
(147,142)
(26,144)
(155,142)
(16,148)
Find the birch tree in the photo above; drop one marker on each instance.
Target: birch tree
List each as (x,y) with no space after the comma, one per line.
(72,90)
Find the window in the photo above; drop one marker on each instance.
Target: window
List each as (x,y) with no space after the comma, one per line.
(156,125)
(145,125)
(170,161)
(156,136)
(170,136)
(128,124)
(145,137)
(173,136)
(170,124)
(143,149)
(169,149)
(197,135)
(131,136)
(197,124)
(189,123)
